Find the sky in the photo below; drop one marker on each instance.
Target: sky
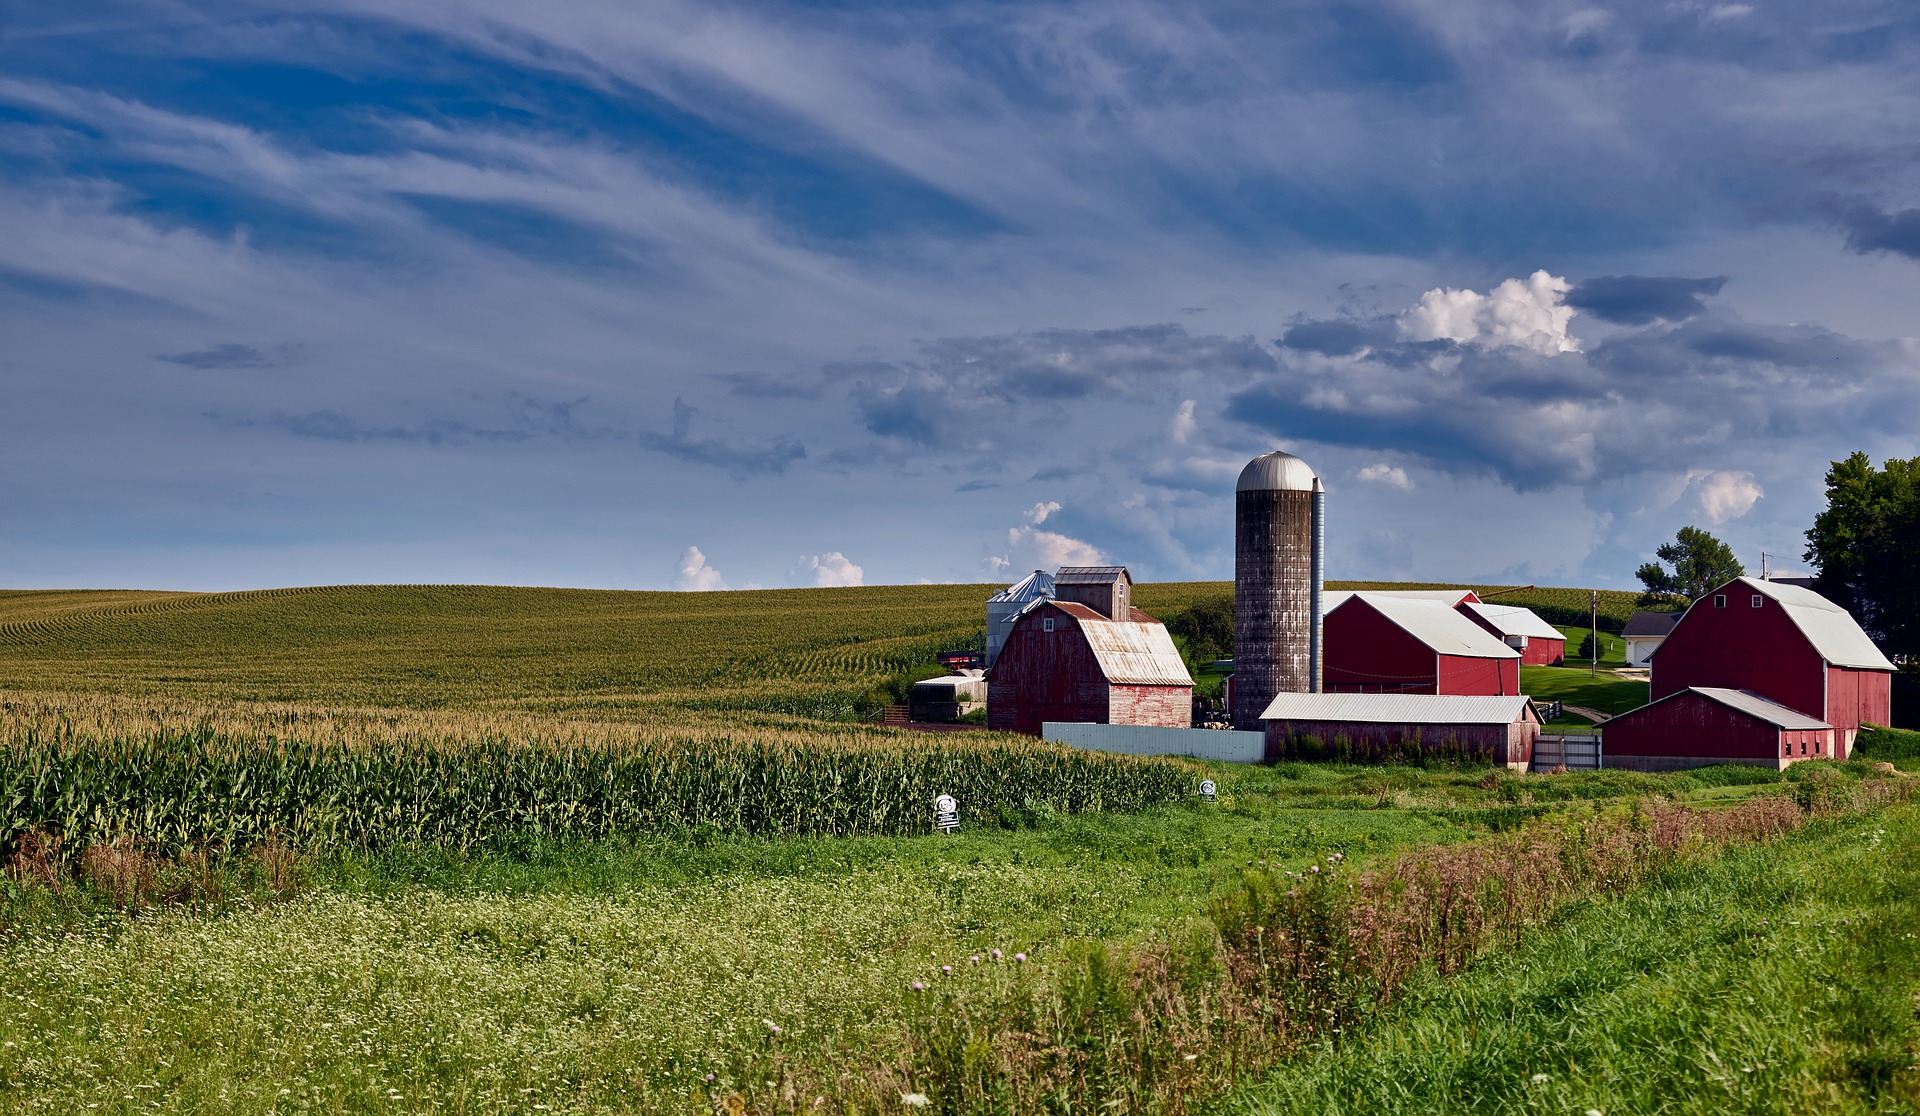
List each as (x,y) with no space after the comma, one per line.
(706,295)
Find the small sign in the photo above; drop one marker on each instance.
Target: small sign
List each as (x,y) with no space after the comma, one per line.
(1207,790)
(946,814)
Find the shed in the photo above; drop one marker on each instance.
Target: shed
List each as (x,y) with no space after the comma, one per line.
(947,698)
(1376,726)
(1008,603)
(1704,725)
(1644,634)
(1789,645)
(1065,661)
(1382,643)
(1539,643)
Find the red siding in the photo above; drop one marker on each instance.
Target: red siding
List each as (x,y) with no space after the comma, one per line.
(1478,677)
(1537,652)
(1692,726)
(1740,647)
(1368,653)
(1053,676)
(1857,697)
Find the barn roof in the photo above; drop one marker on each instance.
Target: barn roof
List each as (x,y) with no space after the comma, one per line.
(1334,598)
(1649,625)
(1748,702)
(1410,709)
(1514,620)
(1830,628)
(1436,624)
(1091,575)
(1036,586)
(1130,652)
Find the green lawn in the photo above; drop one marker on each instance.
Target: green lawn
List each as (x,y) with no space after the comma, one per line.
(1576,686)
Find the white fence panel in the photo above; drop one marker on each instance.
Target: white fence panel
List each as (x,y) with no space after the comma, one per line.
(1230,745)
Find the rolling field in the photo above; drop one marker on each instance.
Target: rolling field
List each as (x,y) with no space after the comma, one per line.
(466,850)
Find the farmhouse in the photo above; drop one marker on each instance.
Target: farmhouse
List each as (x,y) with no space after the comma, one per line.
(1644,634)
(1705,725)
(1366,726)
(1787,644)
(1388,643)
(1088,656)
(1539,643)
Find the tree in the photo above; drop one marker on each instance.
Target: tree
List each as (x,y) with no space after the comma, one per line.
(1865,548)
(1699,563)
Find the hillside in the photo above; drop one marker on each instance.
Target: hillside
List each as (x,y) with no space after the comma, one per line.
(427,647)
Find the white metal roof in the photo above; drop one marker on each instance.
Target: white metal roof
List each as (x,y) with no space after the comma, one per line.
(1277,471)
(1411,709)
(1437,625)
(1036,586)
(1130,652)
(1830,628)
(1749,702)
(1334,598)
(1514,620)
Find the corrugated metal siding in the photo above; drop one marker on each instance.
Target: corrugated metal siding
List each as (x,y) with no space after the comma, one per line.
(1154,740)
(1427,709)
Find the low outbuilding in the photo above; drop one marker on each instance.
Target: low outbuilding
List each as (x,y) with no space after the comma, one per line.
(1705,725)
(1387,643)
(1644,634)
(1367,727)
(949,697)
(1539,643)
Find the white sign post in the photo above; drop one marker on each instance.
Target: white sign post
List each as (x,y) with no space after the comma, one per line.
(946,814)
(1208,790)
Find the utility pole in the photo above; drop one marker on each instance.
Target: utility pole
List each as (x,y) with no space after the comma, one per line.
(1593,617)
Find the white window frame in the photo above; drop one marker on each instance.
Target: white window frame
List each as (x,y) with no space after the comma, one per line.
(1719,600)
(1046,624)
(1756,600)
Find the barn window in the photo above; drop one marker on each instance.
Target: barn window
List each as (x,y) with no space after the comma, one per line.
(1719,600)
(1756,600)
(1816,745)
(1047,624)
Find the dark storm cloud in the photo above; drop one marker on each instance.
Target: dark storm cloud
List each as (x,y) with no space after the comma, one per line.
(1336,337)
(1640,300)
(736,458)
(1871,230)
(221,356)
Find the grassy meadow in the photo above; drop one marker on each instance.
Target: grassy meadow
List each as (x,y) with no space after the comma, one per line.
(465,850)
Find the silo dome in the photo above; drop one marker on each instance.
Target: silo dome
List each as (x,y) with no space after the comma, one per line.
(1276,472)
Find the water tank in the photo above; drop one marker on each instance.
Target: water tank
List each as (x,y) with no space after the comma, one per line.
(1278,577)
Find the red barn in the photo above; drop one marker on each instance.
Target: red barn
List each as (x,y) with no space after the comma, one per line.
(1706,725)
(1789,645)
(1385,643)
(1070,660)
(1539,643)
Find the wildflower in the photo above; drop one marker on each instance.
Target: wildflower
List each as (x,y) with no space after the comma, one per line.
(995,954)
(919,987)
(946,968)
(710,1079)
(976,959)
(1314,868)
(1540,1078)
(914,1100)
(1019,957)
(772,1027)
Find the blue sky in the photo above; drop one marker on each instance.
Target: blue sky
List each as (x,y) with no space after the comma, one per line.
(654,295)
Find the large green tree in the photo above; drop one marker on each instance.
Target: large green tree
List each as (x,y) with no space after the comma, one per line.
(1866,548)
(1699,562)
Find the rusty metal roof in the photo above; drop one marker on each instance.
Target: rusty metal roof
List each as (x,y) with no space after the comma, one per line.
(1437,625)
(1515,620)
(1129,652)
(1410,709)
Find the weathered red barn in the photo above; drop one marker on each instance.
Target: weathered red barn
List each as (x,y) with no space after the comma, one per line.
(1071,660)
(1539,643)
(1386,725)
(1705,725)
(1788,644)
(1384,643)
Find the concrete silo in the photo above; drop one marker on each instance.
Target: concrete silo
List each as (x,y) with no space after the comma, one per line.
(1279,547)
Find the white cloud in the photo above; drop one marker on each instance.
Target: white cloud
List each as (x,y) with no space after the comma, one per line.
(1725,494)
(1391,475)
(1526,313)
(1037,514)
(1729,11)
(831,568)
(695,576)
(1183,425)
(1030,548)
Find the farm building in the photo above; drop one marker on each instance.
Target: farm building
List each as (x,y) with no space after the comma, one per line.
(1539,643)
(947,698)
(1383,643)
(1704,725)
(1003,607)
(1382,725)
(1452,598)
(1787,644)
(1644,634)
(1089,656)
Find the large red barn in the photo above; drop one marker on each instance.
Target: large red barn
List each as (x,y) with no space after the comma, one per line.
(1070,660)
(1389,643)
(1787,644)
(1705,725)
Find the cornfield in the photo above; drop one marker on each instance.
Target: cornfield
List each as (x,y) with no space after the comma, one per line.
(367,780)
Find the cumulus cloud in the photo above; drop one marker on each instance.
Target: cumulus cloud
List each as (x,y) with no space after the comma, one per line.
(1526,313)
(1183,426)
(1725,494)
(1393,476)
(1037,514)
(1031,548)
(1640,300)
(695,575)
(829,569)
